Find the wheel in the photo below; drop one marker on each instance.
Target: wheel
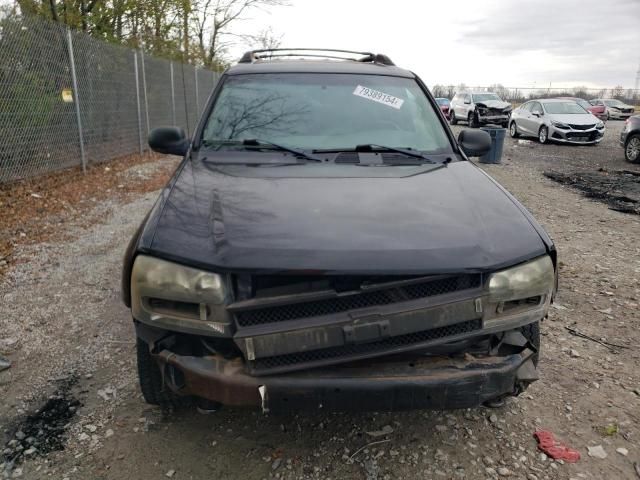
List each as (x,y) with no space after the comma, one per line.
(473,120)
(150,379)
(543,134)
(632,148)
(452,117)
(608,116)
(532,333)
(513,130)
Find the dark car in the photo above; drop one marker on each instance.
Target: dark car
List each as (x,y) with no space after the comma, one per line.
(444,104)
(630,139)
(326,244)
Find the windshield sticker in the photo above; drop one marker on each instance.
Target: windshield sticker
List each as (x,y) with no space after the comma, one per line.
(379,97)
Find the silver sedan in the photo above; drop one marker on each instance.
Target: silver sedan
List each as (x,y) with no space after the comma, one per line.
(556,120)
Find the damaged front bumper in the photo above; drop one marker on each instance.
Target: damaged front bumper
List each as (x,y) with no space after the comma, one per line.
(391,383)
(576,137)
(493,119)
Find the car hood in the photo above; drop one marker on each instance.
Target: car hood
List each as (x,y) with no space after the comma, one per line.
(493,104)
(575,118)
(452,218)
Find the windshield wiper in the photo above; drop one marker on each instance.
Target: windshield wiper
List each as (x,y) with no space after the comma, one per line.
(372,147)
(254,142)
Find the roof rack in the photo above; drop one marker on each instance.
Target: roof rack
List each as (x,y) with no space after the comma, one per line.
(365,57)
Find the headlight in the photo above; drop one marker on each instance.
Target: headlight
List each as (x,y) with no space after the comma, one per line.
(599,125)
(176,297)
(531,279)
(560,125)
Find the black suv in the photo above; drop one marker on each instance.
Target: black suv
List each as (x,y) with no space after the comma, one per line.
(326,243)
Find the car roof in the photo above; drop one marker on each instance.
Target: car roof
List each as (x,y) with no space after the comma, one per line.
(318,66)
(552,100)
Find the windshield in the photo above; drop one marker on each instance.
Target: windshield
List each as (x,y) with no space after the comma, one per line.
(483,97)
(325,111)
(563,107)
(583,103)
(442,101)
(613,103)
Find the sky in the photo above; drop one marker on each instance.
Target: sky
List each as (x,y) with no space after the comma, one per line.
(517,43)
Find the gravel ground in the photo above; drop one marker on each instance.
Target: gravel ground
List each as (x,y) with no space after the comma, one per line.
(71,343)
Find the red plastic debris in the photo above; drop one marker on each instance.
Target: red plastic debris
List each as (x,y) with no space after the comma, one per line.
(556,450)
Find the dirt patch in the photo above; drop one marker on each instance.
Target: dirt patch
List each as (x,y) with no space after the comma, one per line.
(619,189)
(33,210)
(43,431)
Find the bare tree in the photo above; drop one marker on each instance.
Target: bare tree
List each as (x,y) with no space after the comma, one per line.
(213,20)
(266,39)
(617,91)
(439,91)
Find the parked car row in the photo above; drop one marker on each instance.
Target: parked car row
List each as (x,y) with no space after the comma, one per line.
(614,108)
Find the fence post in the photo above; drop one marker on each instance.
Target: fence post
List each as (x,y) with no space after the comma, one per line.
(173,96)
(195,73)
(135,69)
(144,89)
(76,100)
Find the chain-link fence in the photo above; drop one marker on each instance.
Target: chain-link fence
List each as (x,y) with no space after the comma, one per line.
(68,99)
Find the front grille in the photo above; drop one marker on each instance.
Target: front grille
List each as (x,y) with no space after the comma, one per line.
(581,127)
(348,352)
(331,306)
(590,136)
(497,111)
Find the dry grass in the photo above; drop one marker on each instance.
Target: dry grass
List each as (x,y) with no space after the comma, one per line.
(32,208)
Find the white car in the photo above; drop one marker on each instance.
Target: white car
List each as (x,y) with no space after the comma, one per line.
(479,108)
(615,108)
(556,120)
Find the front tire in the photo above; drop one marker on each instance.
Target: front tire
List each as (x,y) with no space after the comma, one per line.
(150,378)
(513,130)
(632,148)
(543,135)
(452,117)
(473,120)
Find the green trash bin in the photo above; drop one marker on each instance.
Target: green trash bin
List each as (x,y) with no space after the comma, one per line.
(497,143)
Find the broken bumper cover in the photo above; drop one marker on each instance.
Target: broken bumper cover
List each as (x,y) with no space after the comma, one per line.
(493,119)
(391,383)
(578,137)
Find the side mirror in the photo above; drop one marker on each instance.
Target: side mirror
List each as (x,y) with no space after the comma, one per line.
(170,140)
(467,102)
(474,143)
(536,113)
